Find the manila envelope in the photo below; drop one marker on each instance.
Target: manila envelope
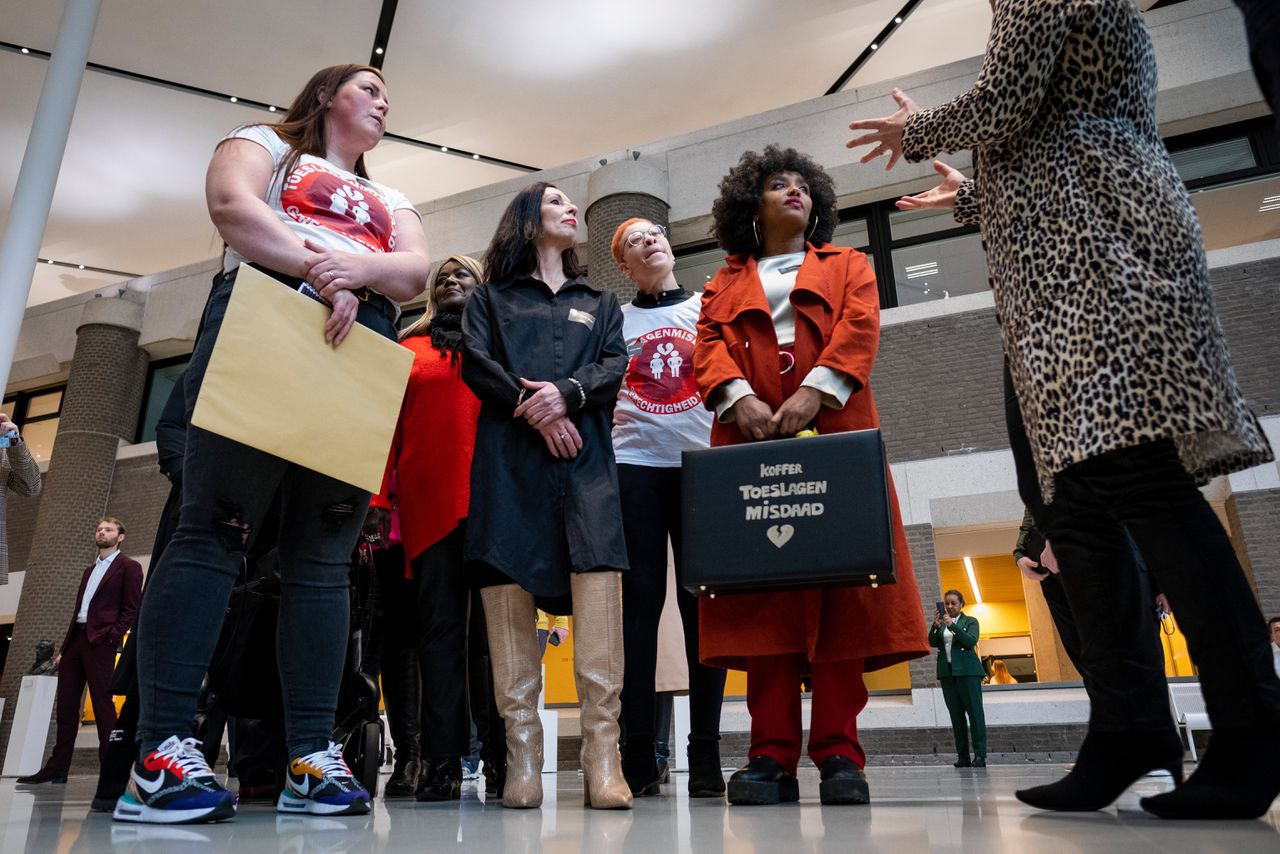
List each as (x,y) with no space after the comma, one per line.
(275,385)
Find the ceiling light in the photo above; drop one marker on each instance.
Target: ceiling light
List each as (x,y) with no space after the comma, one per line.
(79,266)
(973,580)
(234,99)
(1270,203)
(444,148)
(24,50)
(271,109)
(920,271)
(897,20)
(378,51)
(875,46)
(475,157)
(50,261)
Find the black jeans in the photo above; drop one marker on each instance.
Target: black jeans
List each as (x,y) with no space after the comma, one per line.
(442,647)
(1146,491)
(481,701)
(392,651)
(227,490)
(650,513)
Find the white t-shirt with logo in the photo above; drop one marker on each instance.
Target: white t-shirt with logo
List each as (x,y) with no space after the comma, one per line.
(318,200)
(659,412)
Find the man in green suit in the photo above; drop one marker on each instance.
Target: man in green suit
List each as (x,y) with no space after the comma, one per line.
(955,635)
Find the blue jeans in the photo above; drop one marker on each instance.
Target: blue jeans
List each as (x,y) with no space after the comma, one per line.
(227,490)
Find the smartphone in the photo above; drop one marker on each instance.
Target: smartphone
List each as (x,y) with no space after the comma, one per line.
(553,639)
(942,609)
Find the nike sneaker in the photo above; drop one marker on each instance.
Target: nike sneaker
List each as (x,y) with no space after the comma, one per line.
(173,784)
(320,783)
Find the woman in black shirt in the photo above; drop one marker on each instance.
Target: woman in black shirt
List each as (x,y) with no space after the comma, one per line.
(544,353)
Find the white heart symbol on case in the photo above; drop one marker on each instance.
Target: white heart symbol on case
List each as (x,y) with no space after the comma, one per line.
(780,535)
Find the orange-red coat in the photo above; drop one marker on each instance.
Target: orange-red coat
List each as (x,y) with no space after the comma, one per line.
(837,320)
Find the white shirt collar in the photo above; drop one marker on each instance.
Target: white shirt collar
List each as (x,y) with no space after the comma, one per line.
(106,561)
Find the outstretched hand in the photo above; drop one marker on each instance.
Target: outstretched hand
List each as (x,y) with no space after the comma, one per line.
(885,133)
(942,196)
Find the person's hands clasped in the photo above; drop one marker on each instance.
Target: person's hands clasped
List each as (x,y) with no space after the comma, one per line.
(330,271)
(542,405)
(796,412)
(338,326)
(942,196)
(754,418)
(884,133)
(562,438)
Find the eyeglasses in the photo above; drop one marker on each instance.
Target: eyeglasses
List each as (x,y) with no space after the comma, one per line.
(637,237)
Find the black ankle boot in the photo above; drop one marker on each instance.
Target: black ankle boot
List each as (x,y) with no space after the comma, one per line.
(1239,777)
(1108,762)
(403,779)
(843,782)
(706,779)
(495,775)
(441,780)
(962,762)
(762,781)
(640,767)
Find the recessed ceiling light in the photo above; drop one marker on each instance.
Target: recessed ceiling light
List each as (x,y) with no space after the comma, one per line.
(1270,203)
(897,20)
(875,46)
(234,99)
(973,580)
(271,109)
(80,266)
(475,157)
(50,261)
(24,50)
(378,51)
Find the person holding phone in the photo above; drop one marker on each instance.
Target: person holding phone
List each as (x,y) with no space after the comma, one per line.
(955,635)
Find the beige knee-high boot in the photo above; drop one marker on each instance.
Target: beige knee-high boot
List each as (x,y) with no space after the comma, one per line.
(597,670)
(517,678)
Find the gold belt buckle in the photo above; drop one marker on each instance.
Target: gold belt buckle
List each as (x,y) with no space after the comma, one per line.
(363,294)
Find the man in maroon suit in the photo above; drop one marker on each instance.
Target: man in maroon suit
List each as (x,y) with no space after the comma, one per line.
(106,606)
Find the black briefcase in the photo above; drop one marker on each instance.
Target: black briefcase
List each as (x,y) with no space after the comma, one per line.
(787,514)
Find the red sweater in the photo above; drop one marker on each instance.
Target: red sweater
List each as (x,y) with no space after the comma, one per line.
(431,453)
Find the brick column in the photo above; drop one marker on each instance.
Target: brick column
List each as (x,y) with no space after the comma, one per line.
(1256,531)
(99,410)
(615,193)
(924,560)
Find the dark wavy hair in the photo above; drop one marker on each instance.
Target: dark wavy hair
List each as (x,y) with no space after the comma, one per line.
(511,251)
(303,124)
(742,189)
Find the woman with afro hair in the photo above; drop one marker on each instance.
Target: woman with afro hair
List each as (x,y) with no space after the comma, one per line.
(786,342)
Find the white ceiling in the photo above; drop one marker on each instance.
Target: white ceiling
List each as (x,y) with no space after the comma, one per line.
(527,82)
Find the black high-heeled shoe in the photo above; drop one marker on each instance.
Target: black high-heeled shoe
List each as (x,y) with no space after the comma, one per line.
(1238,778)
(1108,762)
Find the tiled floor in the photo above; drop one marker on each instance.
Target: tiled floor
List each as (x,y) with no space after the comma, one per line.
(915,809)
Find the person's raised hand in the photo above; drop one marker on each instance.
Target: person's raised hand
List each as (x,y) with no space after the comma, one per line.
(942,196)
(884,134)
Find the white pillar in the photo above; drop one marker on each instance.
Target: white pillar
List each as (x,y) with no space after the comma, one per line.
(29,210)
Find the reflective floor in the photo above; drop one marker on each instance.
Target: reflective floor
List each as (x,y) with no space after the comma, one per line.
(914,809)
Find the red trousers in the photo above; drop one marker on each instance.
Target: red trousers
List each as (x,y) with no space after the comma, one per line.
(83,664)
(773,699)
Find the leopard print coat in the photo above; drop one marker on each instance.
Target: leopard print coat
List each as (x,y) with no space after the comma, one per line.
(1094,250)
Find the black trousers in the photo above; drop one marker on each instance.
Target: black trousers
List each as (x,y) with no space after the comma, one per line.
(481,700)
(392,653)
(650,514)
(443,596)
(1146,491)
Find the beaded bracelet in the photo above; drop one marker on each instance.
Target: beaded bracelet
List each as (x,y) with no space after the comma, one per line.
(582,395)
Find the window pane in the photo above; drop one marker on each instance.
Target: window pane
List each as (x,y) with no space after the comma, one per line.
(940,270)
(903,224)
(39,437)
(694,269)
(44,404)
(1241,213)
(1218,158)
(852,234)
(160,386)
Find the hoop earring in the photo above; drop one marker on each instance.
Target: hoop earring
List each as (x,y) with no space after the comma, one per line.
(756,231)
(812,229)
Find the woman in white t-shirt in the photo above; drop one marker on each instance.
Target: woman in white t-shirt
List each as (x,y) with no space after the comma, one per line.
(659,415)
(293,199)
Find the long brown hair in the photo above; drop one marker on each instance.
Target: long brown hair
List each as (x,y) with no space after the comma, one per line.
(511,251)
(303,124)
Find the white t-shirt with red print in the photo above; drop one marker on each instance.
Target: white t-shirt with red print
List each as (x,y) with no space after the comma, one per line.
(659,412)
(325,203)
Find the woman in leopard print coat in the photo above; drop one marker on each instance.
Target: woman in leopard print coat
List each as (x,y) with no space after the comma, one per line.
(1123,379)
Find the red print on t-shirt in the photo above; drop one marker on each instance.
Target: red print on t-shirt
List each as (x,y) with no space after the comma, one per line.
(660,375)
(314,195)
